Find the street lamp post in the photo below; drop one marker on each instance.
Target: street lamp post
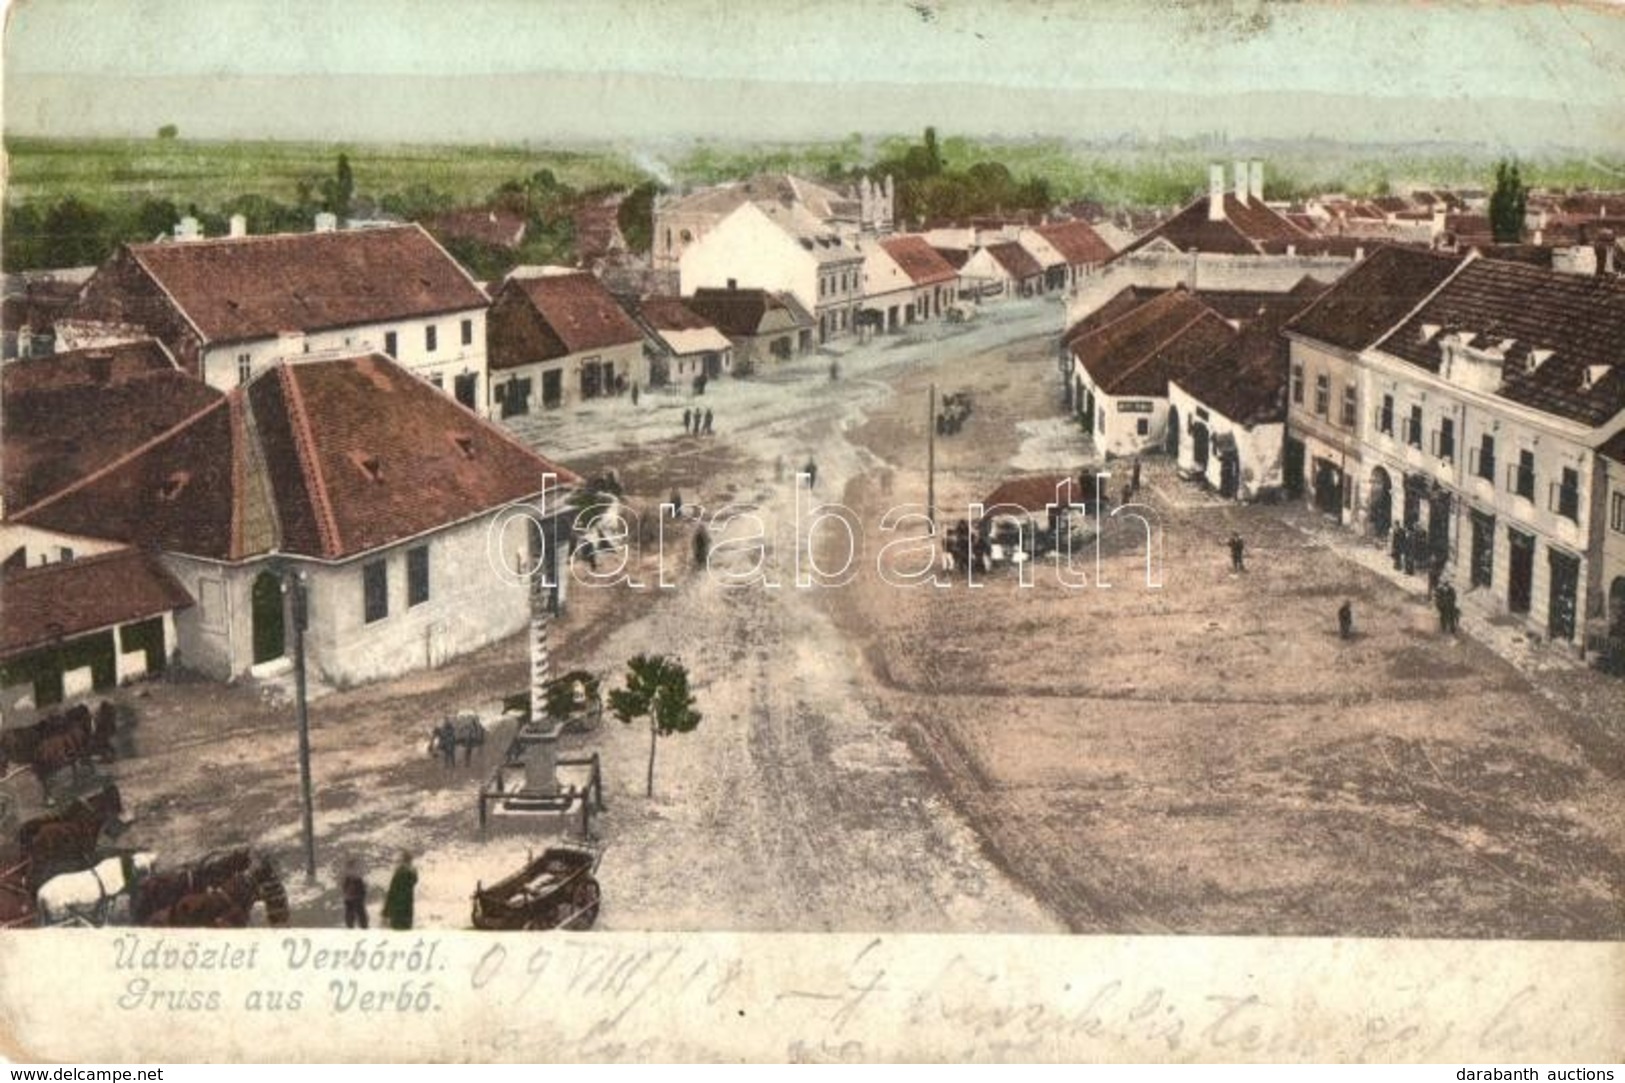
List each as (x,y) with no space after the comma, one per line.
(294,583)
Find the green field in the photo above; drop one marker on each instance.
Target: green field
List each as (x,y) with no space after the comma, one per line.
(208,174)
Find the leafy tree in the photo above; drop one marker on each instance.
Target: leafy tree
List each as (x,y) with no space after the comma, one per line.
(168,131)
(1508,203)
(656,688)
(74,234)
(636,216)
(338,191)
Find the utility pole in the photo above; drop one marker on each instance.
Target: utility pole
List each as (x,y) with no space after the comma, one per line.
(931,461)
(296,584)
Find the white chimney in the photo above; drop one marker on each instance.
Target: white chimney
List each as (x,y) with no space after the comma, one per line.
(1215,193)
(239,225)
(188,229)
(326,222)
(1241,183)
(1255,179)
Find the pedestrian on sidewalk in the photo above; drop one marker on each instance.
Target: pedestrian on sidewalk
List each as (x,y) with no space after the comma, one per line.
(1345,620)
(676,504)
(1435,574)
(811,470)
(1128,495)
(702,547)
(354,890)
(834,371)
(1444,599)
(446,737)
(634,394)
(708,421)
(1396,547)
(399,899)
(688,420)
(1134,483)
(1238,550)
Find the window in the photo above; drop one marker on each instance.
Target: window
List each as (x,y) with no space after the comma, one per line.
(417,576)
(1521,478)
(1350,405)
(1485,466)
(1566,500)
(1323,394)
(1444,441)
(375,591)
(468,332)
(1297,382)
(245,367)
(1385,418)
(390,344)
(64,553)
(430,335)
(1616,512)
(1413,431)
(1143,426)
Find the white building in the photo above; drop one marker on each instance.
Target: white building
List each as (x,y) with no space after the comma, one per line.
(229,308)
(389,503)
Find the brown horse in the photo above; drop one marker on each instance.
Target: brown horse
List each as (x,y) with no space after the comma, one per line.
(162,890)
(67,840)
(228,903)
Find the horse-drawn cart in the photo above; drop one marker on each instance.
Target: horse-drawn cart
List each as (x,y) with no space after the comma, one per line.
(555,891)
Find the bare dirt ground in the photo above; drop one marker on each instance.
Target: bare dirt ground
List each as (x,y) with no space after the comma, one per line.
(1207,757)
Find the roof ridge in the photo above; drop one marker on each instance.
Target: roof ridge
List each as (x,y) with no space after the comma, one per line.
(140,449)
(235,405)
(1135,311)
(1151,354)
(1414,309)
(304,444)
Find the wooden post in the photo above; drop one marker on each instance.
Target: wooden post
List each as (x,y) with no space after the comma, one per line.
(931,460)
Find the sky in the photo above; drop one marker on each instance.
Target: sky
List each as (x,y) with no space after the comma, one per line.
(527,69)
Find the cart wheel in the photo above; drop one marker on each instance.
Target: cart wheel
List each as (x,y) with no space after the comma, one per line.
(584,902)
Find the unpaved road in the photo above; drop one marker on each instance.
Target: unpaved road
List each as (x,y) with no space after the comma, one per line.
(1207,757)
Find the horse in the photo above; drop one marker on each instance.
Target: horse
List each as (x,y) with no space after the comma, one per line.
(70,836)
(101,895)
(59,752)
(162,890)
(228,904)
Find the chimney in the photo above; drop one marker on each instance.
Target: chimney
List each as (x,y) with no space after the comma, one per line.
(1215,193)
(187,229)
(239,225)
(1241,183)
(1255,179)
(326,222)
(1539,238)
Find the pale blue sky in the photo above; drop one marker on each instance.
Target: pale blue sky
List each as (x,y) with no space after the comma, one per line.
(1441,54)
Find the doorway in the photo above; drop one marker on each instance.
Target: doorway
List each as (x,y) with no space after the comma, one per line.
(270,632)
(1382,502)
(1520,570)
(1561,598)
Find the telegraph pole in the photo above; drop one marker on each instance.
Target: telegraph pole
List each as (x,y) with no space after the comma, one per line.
(297,586)
(931,461)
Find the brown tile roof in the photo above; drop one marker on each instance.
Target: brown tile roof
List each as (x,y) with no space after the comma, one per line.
(1138,353)
(1117,306)
(342,457)
(1077,243)
(1035,494)
(1366,302)
(953,257)
(1246,380)
(577,314)
(1017,262)
(46,604)
(1243,229)
(671,314)
(494,226)
(746,312)
(240,288)
(1580,319)
(67,415)
(922,263)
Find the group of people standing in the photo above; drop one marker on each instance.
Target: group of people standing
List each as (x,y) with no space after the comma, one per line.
(398,899)
(697,422)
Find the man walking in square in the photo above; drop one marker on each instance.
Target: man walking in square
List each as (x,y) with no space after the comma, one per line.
(1238,551)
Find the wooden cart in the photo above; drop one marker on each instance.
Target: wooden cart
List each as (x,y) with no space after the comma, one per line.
(558,890)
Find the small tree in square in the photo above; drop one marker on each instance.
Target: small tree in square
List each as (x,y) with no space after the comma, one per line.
(656,688)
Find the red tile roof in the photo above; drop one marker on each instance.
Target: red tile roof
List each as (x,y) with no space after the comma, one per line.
(343,456)
(494,226)
(577,315)
(47,604)
(68,415)
(1117,306)
(1035,494)
(953,257)
(1580,319)
(671,314)
(746,312)
(241,288)
(1076,242)
(1017,262)
(1246,381)
(922,263)
(1370,299)
(1163,338)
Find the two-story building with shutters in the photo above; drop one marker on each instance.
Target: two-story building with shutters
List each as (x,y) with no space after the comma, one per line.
(228,308)
(1321,459)
(396,511)
(1490,402)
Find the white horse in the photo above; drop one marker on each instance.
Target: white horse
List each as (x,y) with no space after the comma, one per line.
(97,896)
